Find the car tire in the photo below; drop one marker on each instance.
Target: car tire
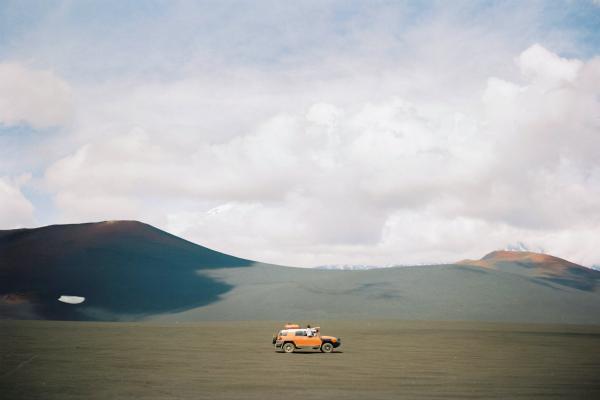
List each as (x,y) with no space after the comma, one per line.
(327,347)
(289,348)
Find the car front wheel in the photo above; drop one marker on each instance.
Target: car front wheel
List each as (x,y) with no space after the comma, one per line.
(326,347)
(289,347)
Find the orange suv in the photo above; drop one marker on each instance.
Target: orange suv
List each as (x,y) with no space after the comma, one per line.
(293,337)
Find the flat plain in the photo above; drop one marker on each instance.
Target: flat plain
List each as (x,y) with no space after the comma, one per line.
(385,359)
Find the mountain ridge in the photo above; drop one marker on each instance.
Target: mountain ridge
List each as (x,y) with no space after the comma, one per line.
(128,270)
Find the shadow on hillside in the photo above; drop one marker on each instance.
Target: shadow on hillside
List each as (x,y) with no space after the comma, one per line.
(576,278)
(588,285)
(123,275)
(125,297)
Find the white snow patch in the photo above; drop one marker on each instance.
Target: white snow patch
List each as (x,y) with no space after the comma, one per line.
(71,299)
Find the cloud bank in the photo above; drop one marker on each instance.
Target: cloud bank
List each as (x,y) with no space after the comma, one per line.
(389,180)
(16,210)
(33,97)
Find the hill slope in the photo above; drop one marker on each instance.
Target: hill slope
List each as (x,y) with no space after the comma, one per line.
(124,269)
(129,270)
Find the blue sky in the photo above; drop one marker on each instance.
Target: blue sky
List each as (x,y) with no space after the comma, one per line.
(307,133)
(109,38)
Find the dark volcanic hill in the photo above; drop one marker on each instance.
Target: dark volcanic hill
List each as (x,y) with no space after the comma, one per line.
(129,271)
(124,269)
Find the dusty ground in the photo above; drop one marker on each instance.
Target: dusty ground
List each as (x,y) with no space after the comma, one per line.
(385,359)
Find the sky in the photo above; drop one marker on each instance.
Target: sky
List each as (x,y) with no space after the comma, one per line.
(309,133)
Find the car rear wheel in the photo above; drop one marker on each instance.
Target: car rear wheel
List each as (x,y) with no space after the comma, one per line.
(289,347)
(326,347)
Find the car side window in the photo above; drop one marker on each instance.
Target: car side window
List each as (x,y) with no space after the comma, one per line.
(300,333)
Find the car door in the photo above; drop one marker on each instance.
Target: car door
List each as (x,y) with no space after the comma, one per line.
(303,340)
(314,340)
(300,338)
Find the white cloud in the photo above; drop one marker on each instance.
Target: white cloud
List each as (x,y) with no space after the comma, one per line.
(35,97)
(16,211)
(324,114)
(547,69)
(349,180)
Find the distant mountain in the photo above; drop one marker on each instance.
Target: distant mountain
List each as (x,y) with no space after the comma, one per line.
(127,270)
(364,267)
(351,267)
(541,266)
